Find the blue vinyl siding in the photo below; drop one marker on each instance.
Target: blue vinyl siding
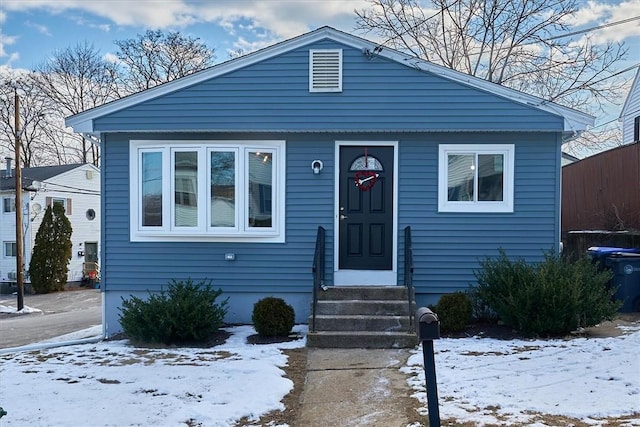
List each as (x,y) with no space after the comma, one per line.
(447,246)
(378,95)
(382,100)
(258,266)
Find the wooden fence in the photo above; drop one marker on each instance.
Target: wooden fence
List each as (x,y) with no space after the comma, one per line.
(602,192)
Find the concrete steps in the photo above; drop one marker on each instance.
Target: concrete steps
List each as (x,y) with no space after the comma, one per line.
(362,317)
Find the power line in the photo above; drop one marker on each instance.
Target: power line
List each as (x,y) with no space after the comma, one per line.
(588,30)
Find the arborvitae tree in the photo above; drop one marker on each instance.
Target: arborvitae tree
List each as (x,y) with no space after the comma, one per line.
(52,252)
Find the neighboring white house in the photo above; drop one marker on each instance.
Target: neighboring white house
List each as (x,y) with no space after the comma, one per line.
(75,186)
(630,115)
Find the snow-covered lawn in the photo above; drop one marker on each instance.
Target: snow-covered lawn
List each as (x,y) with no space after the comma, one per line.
(500,382)
(115,384)
(480,380)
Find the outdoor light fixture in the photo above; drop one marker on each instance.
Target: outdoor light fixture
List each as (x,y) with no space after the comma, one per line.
(316,166)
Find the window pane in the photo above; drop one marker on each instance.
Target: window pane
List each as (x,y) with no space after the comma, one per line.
(460,175)
(490,177)
(10,249)
(9,204)
(365,163)
(223,189)
(186,185)
(260,189)
(151,189)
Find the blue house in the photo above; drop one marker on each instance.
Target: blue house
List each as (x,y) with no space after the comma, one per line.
(227,174)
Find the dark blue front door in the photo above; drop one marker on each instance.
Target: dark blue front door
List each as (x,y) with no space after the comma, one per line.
(366,208)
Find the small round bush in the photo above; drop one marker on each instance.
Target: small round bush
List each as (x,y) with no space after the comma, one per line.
(273,317)
(454,311)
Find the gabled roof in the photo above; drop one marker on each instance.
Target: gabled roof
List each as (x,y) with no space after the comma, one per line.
(635,90)
(29,175)
(574,121)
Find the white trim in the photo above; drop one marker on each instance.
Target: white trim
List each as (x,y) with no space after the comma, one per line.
(573,120)
(168,232)
(364,277)
(504,206)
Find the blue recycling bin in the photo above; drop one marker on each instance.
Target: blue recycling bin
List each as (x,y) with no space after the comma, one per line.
(626,279)
(600,254)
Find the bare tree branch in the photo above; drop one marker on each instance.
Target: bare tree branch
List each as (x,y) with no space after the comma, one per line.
(155,57)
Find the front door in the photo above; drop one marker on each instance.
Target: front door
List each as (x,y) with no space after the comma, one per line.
(90,252)
(365,217)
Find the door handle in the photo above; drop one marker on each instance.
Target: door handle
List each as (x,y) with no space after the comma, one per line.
(343,216)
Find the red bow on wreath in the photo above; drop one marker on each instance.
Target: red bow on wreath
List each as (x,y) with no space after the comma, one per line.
(366,179)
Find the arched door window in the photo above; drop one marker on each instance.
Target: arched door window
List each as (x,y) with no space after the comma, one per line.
(366,163)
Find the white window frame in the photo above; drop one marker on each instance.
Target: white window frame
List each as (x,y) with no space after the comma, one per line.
(4,248)
(12,203)
(241,232)
(503,206)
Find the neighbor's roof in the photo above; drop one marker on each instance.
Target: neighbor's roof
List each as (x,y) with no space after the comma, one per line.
(29,175)
(574,121)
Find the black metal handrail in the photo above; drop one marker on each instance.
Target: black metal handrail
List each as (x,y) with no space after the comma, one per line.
(318,273)
(408,271)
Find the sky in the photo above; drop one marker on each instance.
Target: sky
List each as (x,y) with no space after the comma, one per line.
(32,30)
(115,383)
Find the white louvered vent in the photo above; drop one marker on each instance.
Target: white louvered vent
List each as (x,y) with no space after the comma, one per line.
(325,70)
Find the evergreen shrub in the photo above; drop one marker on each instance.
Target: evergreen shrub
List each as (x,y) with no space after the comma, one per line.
(49,263)
(454,312)
(550,298)
(273,317)
(185,313)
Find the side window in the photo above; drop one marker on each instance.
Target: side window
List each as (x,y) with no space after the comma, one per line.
(64,202)
(476,178)
(8,204)
(10,249)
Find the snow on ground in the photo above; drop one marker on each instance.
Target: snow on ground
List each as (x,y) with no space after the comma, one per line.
(497,381)
(13,310)
(115,384)
(480,380)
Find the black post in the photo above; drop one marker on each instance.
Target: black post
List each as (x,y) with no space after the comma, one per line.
(429,329)
(431,384)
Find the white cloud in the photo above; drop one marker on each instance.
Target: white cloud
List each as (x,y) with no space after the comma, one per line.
(112,58)
(42,29)
(596,14)
(270,21)
(275,20)
(6,40)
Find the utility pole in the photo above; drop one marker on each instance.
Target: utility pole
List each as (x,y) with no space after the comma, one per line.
(18,203)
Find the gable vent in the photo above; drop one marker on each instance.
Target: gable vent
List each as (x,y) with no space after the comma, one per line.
(325,70)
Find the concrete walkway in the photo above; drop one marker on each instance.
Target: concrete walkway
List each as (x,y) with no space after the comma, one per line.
(356,387)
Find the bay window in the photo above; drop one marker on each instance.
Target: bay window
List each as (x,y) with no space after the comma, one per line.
(207,190)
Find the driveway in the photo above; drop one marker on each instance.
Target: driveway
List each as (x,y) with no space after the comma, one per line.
(62,313)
